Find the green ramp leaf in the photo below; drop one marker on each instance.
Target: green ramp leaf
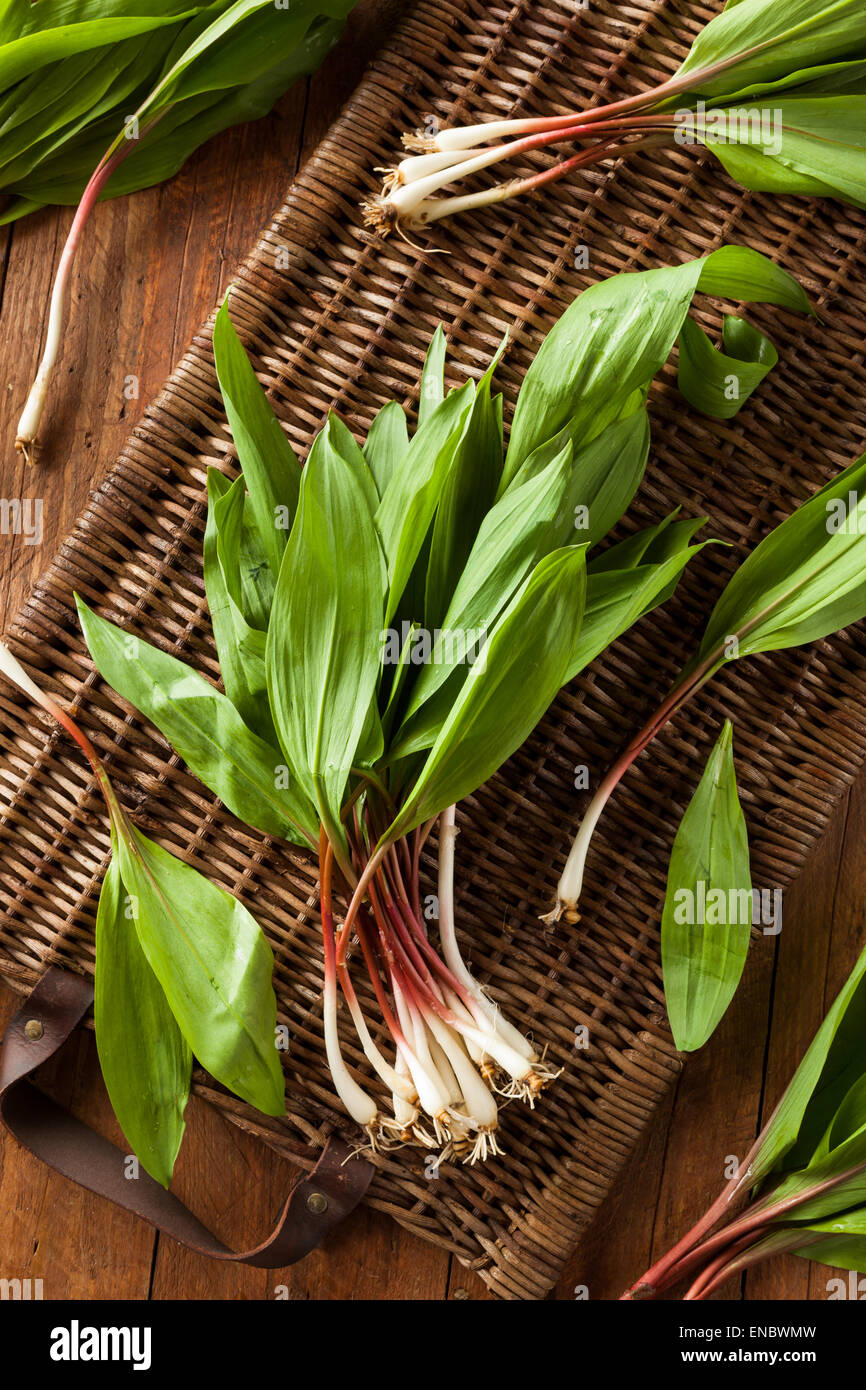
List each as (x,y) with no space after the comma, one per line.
(323,655)
(505,695)
(718,382)
(240,647)
(832,1064)
(386,444)
(761,41)
(815,147)
(708,907)
(619,593)
(271,471)
(214,965)
(616,335)
(804,581)
(203,727)
(410,500)
(145,1062)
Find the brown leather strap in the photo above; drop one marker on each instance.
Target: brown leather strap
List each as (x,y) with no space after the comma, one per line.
(56,1006)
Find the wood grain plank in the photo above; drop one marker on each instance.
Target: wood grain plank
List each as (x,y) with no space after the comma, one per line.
(805,986)
(50,1229)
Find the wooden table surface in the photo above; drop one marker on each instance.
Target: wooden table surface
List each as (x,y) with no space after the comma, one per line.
(151,269)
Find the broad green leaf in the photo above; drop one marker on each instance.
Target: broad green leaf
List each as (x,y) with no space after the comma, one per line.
(841,1251)
(209,61)
(199,68)
(324,637)
(242,560)
(848,1120)
(145,1063)
(618,598)
(845,76)
(825,1075)
(240,648)
(647,546)
(605,476)
(809,146)
(214,965)
(386,444)
(337,437)
(830,1183)
(708,906)
(513,536)
(26,54)
(204,728)
(504,696)
(412,495)
(738,272)
(840,1240)
(271,471)
(759,41)
(466,497)
(433,377)
(719,382)
(817,1242)
(804,581)
(616,335)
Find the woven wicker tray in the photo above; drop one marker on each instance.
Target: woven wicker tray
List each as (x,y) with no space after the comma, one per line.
(338,319)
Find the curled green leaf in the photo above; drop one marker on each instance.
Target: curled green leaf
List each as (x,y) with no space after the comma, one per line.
(717,382)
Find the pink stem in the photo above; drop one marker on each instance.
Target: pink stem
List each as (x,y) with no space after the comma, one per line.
(706,1279)
(28,426)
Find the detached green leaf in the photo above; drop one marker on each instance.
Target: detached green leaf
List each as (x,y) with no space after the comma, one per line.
(145,1062)
(204,728)
(708,908)
(214,965)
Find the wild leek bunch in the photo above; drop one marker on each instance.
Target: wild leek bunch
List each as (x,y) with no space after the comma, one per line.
(391,622)
(95,102)
(775,89)
(803,1181)
(804,581)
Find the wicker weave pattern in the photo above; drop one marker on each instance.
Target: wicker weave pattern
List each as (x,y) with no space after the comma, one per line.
(336,318)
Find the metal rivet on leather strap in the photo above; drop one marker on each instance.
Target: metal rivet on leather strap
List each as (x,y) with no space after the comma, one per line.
(317,1203)
(33,1028)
